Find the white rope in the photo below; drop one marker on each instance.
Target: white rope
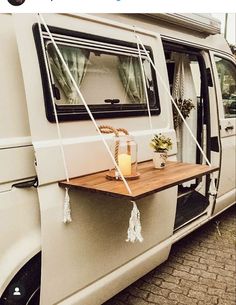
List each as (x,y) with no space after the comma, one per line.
(134,230)
(54,109)
(145,86)
(173,101)
(212,188)
(67,210)
(84,103)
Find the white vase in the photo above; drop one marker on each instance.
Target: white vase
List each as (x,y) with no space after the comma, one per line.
(159,159)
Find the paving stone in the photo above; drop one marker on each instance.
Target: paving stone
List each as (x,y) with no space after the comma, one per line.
(221,271)
(181,267)
(182,299)
(153,280)
(225,279)
(200,255)
(199,295)
(231,268)
(225,260)
(231,297)
(193,285)
(211,262)
(209,301)
(185,275)
(196,265)
(231,289)
(216,291)
(169,278)
(191,257)
(155,289)
(225,302)
(219,253)
(160,300)
(175,288)
(203,273)
(212,283)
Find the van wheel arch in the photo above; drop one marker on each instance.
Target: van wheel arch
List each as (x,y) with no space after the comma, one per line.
(26,283)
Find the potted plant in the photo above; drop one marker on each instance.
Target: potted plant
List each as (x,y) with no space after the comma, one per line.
(161,145)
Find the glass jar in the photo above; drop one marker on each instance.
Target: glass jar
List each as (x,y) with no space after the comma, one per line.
(124,150)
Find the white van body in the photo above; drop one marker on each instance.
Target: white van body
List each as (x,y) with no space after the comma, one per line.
(88,261)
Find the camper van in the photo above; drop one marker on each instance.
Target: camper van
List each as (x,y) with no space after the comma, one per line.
(129,68)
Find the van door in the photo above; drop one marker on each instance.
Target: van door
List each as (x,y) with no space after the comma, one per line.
(90,254)
(225,83)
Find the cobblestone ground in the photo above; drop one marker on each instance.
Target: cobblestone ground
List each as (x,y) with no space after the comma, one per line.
(201,270)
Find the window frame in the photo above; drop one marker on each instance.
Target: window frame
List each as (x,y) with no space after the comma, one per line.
(78,112)
(220,97)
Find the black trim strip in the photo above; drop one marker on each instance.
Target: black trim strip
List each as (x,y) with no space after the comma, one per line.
(78,112)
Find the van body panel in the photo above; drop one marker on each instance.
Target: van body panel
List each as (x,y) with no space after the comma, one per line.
(19,208)
(93,245)
(80,155)
(20,231)
(225,201)
(16,164)
(13,115)
(120,278)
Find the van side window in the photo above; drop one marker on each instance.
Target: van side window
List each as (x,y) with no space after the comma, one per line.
(227,77)
(107,71)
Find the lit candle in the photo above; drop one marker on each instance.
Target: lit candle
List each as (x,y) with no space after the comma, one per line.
(124,162)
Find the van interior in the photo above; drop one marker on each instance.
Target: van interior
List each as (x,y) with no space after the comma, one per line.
(188,86)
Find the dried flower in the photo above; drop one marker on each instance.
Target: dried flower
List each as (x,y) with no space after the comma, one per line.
(185,106)
(160,143)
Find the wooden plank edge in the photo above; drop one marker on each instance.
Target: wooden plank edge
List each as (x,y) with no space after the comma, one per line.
(131,197)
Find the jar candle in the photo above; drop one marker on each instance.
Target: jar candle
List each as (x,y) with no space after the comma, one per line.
(124,150)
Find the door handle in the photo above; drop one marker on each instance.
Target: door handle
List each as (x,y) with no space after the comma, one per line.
(26,184)
(230,127)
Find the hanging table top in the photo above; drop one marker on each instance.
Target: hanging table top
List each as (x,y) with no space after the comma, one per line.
(151,180)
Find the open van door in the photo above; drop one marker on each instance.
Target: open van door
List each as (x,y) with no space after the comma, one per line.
(224,68)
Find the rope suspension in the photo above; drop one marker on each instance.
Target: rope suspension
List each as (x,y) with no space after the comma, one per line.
(136,229)
(212,189)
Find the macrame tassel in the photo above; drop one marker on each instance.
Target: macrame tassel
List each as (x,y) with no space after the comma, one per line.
(212,187)
(67,210)
(134,230)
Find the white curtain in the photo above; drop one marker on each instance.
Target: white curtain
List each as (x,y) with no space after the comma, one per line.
(184,88)
(77,61)
(131,78)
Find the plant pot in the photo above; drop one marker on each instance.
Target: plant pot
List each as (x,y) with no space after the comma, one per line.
(159,159)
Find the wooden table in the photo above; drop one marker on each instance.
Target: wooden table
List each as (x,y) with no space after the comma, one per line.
(151,180)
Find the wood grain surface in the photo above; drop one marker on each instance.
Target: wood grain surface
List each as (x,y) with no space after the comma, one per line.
(151,180)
